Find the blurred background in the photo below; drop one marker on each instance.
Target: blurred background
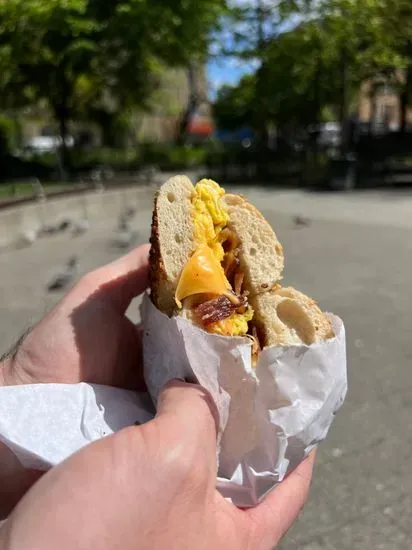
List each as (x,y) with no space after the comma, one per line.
(305,106)
(304,92)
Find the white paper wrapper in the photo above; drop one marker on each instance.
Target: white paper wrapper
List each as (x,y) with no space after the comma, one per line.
(45,423)
(271,416)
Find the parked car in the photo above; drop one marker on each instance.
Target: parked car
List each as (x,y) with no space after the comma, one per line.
(327,134)
(40,145)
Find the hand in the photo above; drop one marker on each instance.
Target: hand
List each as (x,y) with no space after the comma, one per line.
(151,487)
(109,488)
(87,337)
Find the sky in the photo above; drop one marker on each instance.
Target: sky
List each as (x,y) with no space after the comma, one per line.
(229,70)
(226,71)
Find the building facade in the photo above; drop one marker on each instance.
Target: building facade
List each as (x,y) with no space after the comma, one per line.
(379,105)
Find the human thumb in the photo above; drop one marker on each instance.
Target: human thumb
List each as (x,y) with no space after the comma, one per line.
(188,411)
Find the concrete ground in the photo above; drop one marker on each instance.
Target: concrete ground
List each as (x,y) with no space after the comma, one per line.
(355,257)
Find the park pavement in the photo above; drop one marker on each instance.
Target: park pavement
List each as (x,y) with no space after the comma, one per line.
(353,253)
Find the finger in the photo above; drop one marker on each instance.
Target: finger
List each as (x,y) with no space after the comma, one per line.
(120,281)
(15,480)
(191,414)
(276,514)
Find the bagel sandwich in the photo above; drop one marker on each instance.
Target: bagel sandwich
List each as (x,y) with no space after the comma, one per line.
(216,261)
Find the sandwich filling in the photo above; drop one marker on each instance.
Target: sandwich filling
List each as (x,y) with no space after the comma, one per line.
(210,290)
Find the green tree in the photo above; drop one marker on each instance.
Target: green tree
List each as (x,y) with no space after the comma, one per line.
(365,40)
(247,31)
(396,28)
(142,37)
(234,106)
(96,58)
(52,45)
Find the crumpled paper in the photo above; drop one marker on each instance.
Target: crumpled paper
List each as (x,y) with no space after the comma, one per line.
(272,416)
(43,424)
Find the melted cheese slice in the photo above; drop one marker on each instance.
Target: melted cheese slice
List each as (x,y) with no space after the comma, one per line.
(202,274)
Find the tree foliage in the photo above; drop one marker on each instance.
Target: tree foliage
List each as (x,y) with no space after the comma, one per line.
(94,58)
(320,61)
(235,105)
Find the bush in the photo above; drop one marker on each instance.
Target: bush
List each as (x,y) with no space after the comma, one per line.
(171,157)
(48,160)
(116,159)
(165,157)
(15,168)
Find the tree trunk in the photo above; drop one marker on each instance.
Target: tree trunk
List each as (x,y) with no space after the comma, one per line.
(262,134)
(191,106)
(62,117)
(344,103)
(262,115)
(404,99)
(373,110)
(316,110)
(107,130)
(106,122)
(184,123)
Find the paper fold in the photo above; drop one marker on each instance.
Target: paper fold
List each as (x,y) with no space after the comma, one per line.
(270,416)
(43,424)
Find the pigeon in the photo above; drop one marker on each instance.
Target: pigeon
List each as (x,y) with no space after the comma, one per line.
(27,238)
(52,229)
(65,277)
(101,173)
(48,230)
(129,213)
(301,221)
(123,240)
(149,173)
(38,190)
(124,236)
(63,225)
(123,223)
(80,227)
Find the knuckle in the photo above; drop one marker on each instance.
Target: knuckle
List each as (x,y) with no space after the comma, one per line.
(184,466)
(86,285)
(177,460)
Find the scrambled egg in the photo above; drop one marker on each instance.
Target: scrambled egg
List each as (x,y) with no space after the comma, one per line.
(210,218)
(235,325)
(210,215)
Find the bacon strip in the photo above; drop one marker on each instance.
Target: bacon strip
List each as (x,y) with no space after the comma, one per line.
(217,309)
(230,264)
(222,307)
(230,244)
(238,282)
(229,240)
